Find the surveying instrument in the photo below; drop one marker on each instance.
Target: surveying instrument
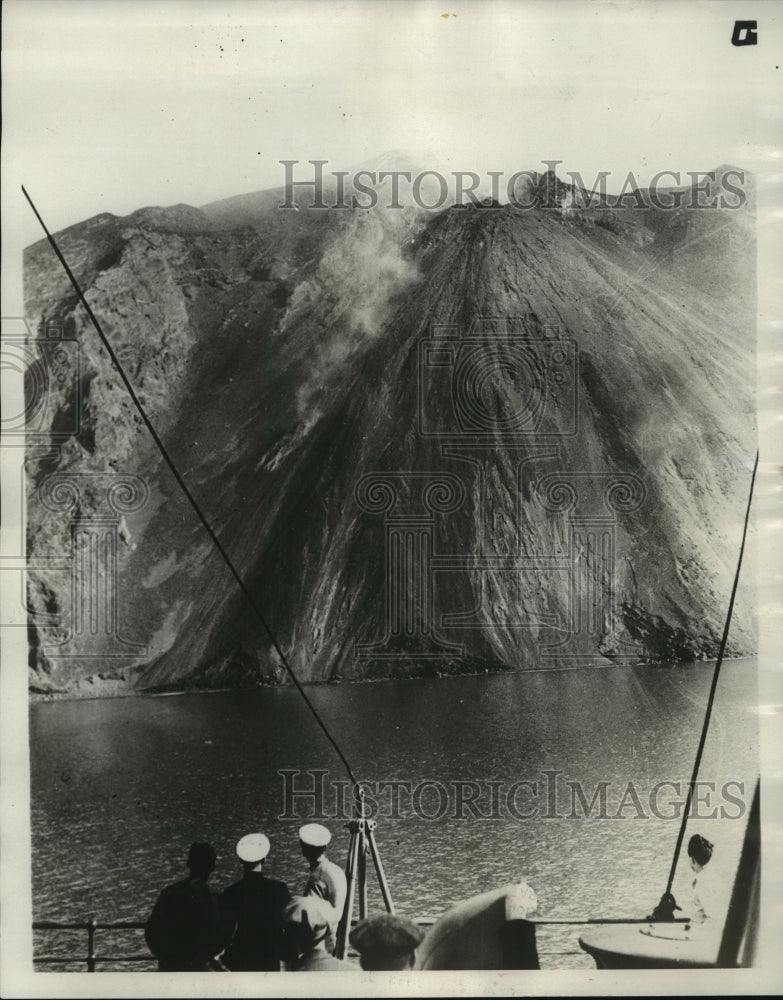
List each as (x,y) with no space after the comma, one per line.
(362,842)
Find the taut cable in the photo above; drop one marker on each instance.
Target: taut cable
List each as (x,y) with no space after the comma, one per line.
(713,687)
(191,499)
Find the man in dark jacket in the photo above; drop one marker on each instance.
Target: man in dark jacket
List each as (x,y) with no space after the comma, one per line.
(186,930)
(256,903)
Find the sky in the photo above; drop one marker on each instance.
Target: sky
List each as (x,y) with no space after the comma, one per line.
(111,106)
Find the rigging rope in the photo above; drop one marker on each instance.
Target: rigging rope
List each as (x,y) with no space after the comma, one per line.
(713,687)
(256,610)
(191,499)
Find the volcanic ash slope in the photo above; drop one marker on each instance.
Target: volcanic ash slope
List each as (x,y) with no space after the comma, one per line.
(480,439)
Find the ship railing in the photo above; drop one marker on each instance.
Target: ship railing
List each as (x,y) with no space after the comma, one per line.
(94,957)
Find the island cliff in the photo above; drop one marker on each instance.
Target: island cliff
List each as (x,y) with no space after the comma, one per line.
(478,439)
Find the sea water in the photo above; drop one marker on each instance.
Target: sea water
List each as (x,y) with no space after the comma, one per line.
(488,779)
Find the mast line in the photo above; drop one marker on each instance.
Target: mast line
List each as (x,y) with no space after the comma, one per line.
(713,687)
(189,496)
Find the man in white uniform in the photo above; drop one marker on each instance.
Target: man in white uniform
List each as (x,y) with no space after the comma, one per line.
(327,880)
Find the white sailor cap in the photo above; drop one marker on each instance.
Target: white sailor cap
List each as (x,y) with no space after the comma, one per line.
(314,835)
(253,848)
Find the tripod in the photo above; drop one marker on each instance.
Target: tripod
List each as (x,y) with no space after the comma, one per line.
(362,840)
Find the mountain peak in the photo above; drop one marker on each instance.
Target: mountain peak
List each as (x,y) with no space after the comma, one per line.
(308,372)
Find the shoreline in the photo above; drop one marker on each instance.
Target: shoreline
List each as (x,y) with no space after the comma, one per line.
(37,696)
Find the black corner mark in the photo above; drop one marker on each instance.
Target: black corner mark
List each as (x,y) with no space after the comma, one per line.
(745,33)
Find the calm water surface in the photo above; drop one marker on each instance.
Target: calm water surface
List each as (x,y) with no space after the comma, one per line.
(121,787)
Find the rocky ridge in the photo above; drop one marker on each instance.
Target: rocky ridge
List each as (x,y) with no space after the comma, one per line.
(431,442)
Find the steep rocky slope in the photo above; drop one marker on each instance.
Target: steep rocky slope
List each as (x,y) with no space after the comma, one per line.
(477,439)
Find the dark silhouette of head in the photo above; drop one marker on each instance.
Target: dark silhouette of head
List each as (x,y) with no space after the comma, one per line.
(312,854)
(306,923)
(386,943)
(699,850)
(201,860)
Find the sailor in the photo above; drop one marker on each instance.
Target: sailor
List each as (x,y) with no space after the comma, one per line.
(699,853)
(326,880)
(387,942)
(256,903)
(307,922)
(187,931)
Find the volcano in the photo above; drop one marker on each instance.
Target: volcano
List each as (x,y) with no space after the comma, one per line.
(469,440)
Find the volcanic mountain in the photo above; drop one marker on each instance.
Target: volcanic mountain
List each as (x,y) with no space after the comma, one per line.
(430,442)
